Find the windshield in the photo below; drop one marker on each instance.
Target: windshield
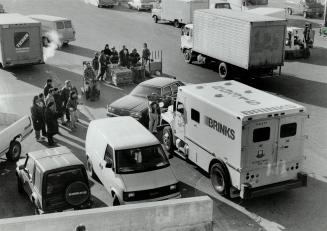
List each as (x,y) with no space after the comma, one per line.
(141,159)
(146,1)
(57,182)
(222,6)
(257,2)
(144,91)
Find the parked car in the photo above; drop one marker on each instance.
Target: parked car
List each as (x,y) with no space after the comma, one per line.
(129,161)
(141,4)
(63,27)
(13,130)
(308,8)
(135,104)
(107,3)
(54,180)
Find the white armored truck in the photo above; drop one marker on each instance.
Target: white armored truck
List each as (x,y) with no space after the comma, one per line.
(250,142)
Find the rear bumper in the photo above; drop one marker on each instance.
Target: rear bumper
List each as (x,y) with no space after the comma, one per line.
(247,192)
(171,196)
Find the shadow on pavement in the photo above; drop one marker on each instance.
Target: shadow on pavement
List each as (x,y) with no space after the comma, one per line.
(317,57)
(77,50)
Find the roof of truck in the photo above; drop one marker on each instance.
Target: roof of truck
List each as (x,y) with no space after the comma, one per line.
(240,100)
(124,132)
(54,158)
(47,17)
(240,15)
(9,18)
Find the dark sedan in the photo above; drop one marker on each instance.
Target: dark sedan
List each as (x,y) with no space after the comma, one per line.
(135,104)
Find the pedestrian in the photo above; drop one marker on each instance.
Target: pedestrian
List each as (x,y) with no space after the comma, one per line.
(65,92)
(42,105)
(107,52)
(114,58)
(37,118)
(50,98)
(72,107)
(124,57)
(103,65)
(51,120)
(145,54)
(59,104)
(47,87)
(134,58)
(154,114)
(80,228)
(95,63)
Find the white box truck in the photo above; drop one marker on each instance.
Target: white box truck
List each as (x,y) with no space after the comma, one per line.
(20,40)
(238,42)
(250,142)
(180,12)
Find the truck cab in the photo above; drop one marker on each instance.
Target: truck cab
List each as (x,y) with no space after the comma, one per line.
(248,141)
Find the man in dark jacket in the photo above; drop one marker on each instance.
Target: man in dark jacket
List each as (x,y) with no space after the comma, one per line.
(59,104)
(65,93)
(114,56)
(103,65)
(95,63)
(42,105)
(124,57)
(47,87)
(52,122)
(145,54)
(37,118)
(134,58)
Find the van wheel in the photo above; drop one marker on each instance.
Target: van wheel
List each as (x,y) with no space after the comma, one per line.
(45,41)
(177,24)
(167,139)
(219,180)
(155,18)
(223,71)
(115,201)
(14,152)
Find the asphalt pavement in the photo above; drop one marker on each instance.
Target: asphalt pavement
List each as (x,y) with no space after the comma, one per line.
(303,81)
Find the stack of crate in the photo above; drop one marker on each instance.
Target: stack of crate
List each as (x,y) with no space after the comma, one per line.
(121,76)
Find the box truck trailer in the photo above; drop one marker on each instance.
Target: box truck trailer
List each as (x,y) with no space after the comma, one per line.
(249,141)
(238,42)
(20,40)
(179,12)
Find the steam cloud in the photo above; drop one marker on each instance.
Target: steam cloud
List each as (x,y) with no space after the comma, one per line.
(54,43)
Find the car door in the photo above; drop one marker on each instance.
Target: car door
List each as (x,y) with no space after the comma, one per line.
(107,168)
(28,175)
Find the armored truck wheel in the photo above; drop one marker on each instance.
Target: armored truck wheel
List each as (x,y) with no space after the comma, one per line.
(14,152)
(220,180)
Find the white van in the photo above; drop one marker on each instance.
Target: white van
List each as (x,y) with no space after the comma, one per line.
(129,161)
(63,27)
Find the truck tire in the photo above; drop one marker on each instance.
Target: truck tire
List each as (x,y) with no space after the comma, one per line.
(155,18)
(115,201)
(77,193)
(188,57)
(177,24)
(220,180)
(167,139)
(289,11)
(223,71)
(14,152)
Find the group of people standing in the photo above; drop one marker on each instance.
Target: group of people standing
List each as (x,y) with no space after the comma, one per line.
(51,105)
(108,56)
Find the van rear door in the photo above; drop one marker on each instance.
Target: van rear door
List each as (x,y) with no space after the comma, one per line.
(65,29)
(21,45)
(262,137)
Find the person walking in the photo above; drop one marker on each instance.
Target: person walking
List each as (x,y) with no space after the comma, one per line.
(47,87)
(114,58)
(65,92)
(59,104)
(145,54)
(51,120)
(95,63)
(107,52)
(37,118)
(124,57)
(103,65)
(134,58)
(43,107)
(154,114)
(72,107)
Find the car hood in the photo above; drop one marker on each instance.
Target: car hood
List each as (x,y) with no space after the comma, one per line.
(130,103)
(149,180)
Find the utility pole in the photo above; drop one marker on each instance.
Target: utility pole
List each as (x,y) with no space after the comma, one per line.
(325,14)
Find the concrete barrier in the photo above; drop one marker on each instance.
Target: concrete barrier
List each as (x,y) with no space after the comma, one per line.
(189,214)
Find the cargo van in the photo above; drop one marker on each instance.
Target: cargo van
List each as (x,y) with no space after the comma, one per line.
(129,161)
(62,26)
(20,40)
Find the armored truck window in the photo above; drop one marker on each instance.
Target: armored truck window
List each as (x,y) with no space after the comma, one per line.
(195,115)
(166,91)
(287,130)
(108,154)
(68,24)
(261,134)
(60,25)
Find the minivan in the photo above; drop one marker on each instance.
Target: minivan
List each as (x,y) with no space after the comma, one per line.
(50,24)
(129,161)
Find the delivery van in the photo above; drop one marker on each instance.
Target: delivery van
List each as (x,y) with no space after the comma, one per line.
(129,161)
(63,28)
(250,142)
(2,10)
(20,40)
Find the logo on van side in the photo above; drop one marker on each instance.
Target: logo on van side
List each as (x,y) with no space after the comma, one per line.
(221,128)
(22,41)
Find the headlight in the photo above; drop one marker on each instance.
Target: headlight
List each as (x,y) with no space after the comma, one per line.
(136,115)
(173,187)
(129,196)
(109,108)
